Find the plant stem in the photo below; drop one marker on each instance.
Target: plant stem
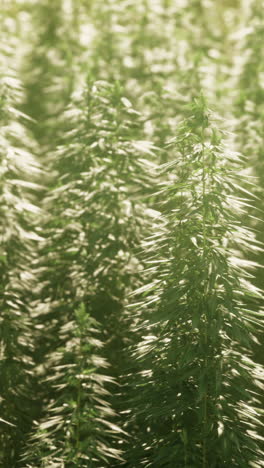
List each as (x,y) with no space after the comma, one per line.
(79,395)
(204,304)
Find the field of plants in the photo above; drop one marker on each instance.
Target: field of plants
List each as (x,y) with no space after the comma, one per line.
(131,254)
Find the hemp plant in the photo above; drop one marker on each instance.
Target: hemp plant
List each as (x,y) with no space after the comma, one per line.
(249,125)
(97,204)
(87,267)
(77,422)
(50,51)
(249,103)
(197,392)
(18,403)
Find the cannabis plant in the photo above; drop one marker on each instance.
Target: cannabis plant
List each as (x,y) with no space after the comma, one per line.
(97,200)
(249,103)
(48,68)
(19,174)
(87,266)
(78,416)
(196,394)
(249,120)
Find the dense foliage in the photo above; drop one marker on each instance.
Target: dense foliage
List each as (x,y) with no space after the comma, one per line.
(131,190)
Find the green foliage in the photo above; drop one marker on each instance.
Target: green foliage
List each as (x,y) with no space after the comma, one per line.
(47,83)
(78,416)
(196,392)
(92,373)
(18,176)
(250,93)
(249,120)
(98,217)
(91,237)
